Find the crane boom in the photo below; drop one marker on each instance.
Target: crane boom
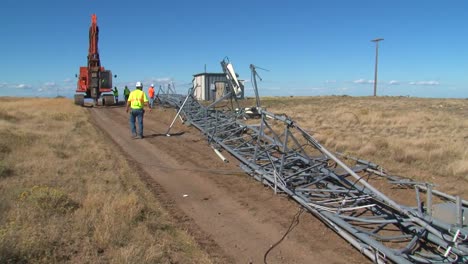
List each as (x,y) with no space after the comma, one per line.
(93,53)
(94,81)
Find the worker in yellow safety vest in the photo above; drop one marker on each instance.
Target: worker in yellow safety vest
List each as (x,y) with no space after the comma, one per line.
(116,95)
(126,93)
(137,100)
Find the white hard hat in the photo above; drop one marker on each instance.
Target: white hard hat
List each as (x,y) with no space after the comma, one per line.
(152,85)
(138,84)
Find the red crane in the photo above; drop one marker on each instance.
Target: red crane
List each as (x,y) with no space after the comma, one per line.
(94,81)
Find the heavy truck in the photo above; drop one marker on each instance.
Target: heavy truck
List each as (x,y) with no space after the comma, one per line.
(94,81)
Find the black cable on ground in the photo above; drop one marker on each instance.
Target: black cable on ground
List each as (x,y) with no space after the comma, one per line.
(294,223)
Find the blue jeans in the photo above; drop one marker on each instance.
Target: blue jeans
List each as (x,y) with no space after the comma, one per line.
(137,114)
(151,102)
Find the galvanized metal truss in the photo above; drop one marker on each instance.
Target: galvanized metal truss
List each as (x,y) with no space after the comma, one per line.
(279,153)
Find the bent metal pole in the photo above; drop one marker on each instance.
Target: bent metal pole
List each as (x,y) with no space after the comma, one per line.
(178,113)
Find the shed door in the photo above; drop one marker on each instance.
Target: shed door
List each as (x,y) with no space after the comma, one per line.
(220,89)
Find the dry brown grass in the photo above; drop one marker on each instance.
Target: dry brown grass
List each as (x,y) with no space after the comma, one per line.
(67,196)
(423,139)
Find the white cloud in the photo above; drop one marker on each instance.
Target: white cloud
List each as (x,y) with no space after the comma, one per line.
(123,84)
(425,83)
(161,80)
(363,81)
(330,81)
(148,81)
(166,79)
(271,88)
(50,84)
(310,89)
(67,80)
(430,83)
(316,89)
(23,86)
(393,82)
(50,88)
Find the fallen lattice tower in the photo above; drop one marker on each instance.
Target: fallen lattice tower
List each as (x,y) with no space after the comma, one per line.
(279,153)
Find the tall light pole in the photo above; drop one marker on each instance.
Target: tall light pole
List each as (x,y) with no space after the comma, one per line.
(376,62)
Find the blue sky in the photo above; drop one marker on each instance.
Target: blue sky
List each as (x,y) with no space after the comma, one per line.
(310,47)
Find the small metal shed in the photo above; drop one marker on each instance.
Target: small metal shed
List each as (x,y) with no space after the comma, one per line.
(210,86)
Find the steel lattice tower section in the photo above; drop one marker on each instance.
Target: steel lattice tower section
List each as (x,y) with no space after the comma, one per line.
(279,153)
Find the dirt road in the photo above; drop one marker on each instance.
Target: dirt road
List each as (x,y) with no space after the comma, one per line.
(232,216)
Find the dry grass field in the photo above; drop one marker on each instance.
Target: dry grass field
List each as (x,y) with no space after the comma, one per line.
(67,195)
(422,139)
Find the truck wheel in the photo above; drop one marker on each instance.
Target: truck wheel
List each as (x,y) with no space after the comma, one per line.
(108,100)
(79,99)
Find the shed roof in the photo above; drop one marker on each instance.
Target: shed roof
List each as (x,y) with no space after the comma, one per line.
(209,73)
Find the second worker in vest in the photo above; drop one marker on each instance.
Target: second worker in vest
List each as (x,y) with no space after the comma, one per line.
(151,95)
(126,93)
(137,101)
(116,95)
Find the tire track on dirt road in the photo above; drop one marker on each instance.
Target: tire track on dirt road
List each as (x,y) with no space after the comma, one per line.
(228,213)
